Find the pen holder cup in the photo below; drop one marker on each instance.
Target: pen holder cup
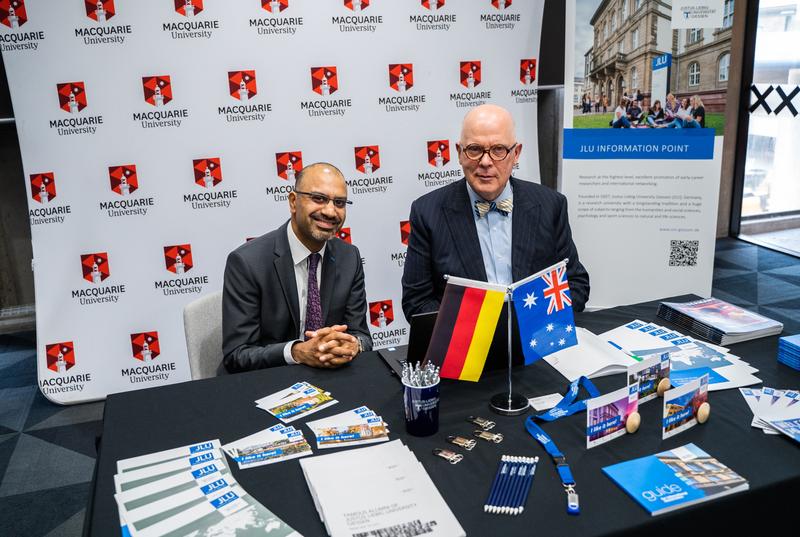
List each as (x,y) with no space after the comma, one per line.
(422,409)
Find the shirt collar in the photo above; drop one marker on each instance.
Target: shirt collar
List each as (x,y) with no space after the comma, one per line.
(299,251)
(473,196)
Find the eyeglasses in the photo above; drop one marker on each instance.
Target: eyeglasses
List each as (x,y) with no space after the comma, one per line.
(322,199)
(496,152)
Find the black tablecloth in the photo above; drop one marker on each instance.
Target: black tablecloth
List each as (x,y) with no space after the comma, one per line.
(160,418)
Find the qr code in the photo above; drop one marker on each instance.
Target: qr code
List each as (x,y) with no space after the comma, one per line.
(683,253)
(406,529)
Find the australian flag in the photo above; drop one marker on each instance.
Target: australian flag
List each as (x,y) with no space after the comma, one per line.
(544,313)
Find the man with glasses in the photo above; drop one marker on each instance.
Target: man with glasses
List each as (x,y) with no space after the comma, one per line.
(489,226)
(296,295)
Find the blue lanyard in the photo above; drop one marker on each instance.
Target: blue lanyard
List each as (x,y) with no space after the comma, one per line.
(573,507)
(567,405)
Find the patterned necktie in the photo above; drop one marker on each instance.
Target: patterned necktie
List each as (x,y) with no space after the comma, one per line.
(504,207)
(313,304)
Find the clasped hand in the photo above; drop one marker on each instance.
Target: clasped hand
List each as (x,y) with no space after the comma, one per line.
(327,347)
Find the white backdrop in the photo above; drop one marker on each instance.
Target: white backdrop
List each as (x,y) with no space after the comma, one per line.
(202,155)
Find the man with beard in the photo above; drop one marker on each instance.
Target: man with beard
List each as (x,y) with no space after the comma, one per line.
(296,295)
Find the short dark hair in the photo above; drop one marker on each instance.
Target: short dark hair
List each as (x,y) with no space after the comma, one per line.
(298,180)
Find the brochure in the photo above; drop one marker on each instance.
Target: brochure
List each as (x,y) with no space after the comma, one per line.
(143,461)
(592,357)
(295,402)
(276,444)
(607,414)
(648,374)
(674,479)
(681,405)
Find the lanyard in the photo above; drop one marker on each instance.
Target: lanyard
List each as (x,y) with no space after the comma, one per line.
(573,508)
(567,405)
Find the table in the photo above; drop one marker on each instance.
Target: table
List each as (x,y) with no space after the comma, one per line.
(160,418)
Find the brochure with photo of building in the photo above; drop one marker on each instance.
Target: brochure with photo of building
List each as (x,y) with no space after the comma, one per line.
(681,405)
(607,414)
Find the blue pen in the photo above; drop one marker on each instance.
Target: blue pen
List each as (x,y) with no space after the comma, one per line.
(522,477)
(529,483)
(493,491)
(505,482)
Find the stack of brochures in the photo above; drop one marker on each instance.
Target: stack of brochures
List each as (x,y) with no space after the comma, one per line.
(377,490)
(276,444)
(774,411)
(296,401)
(617,350)
(354,427)
(718,321)
(789,351)
(674,479)
(188,491)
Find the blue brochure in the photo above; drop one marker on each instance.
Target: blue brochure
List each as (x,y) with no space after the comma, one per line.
(674,479)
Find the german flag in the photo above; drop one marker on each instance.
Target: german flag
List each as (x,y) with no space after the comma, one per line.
(465,327)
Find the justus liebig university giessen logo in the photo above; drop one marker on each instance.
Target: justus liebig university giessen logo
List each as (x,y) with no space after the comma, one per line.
(178,258)
(207,171)
(100,10)
(242,84)
(145,346)
(43,187)
(438,153)
(401,76)
(356,5)
(157,89)
(124,180)
(368,158)
(60,356)
(432,4)
(289,163)
(405,231)
(324,80)
(470,74)
(381,313)
(527,71)
(188,8)
(274,6)
(71,96)
(95,267)
(12,13)
(344,234)
(502,4)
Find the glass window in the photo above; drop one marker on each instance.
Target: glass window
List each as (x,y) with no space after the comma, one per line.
(622,46)
(724,64)
(635,39)
(694,74)
(637,5)
(613,21)
(695,35)
(634,78)
(624,13)
(605,31)
(727,14)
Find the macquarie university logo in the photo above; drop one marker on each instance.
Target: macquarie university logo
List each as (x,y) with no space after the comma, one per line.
(145,346)
(124,180)
(433,4)
(324,80)
(289,163)
(43,187)
(207,172)
(527,71)
(502,4)
(274,6)
(99,10)
(438,153)
(242,84)
(71,96)
(405,231)
(470,74)
(401,76)
(157,90)
(368,159)
(178,258)
(344,234)
(12,13)
(190,8)
(356,5)
(60,356)
(381,313)
(95,267)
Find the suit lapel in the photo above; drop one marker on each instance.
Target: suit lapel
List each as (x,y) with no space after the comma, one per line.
(328,284)
(460,220)
(284,267)
(524,224)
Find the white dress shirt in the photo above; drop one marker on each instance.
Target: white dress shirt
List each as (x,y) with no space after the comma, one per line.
(300,260)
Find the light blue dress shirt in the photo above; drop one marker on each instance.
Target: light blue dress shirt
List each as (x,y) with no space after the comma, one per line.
(494,235)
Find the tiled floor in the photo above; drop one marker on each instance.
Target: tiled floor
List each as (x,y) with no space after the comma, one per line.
(47,452)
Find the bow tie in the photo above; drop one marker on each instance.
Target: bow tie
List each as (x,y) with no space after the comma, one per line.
(504,207)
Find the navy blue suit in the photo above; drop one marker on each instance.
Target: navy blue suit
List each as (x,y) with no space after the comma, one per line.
(444,240)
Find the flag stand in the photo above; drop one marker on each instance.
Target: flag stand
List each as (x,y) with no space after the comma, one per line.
(509,403)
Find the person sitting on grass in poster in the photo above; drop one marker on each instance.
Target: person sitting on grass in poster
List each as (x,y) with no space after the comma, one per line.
(620,120)
(634,112)
(671,108)
(656,115)
(698,114)
(683,115)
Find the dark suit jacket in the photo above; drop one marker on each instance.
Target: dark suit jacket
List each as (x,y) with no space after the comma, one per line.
(260,307)
(444,240)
